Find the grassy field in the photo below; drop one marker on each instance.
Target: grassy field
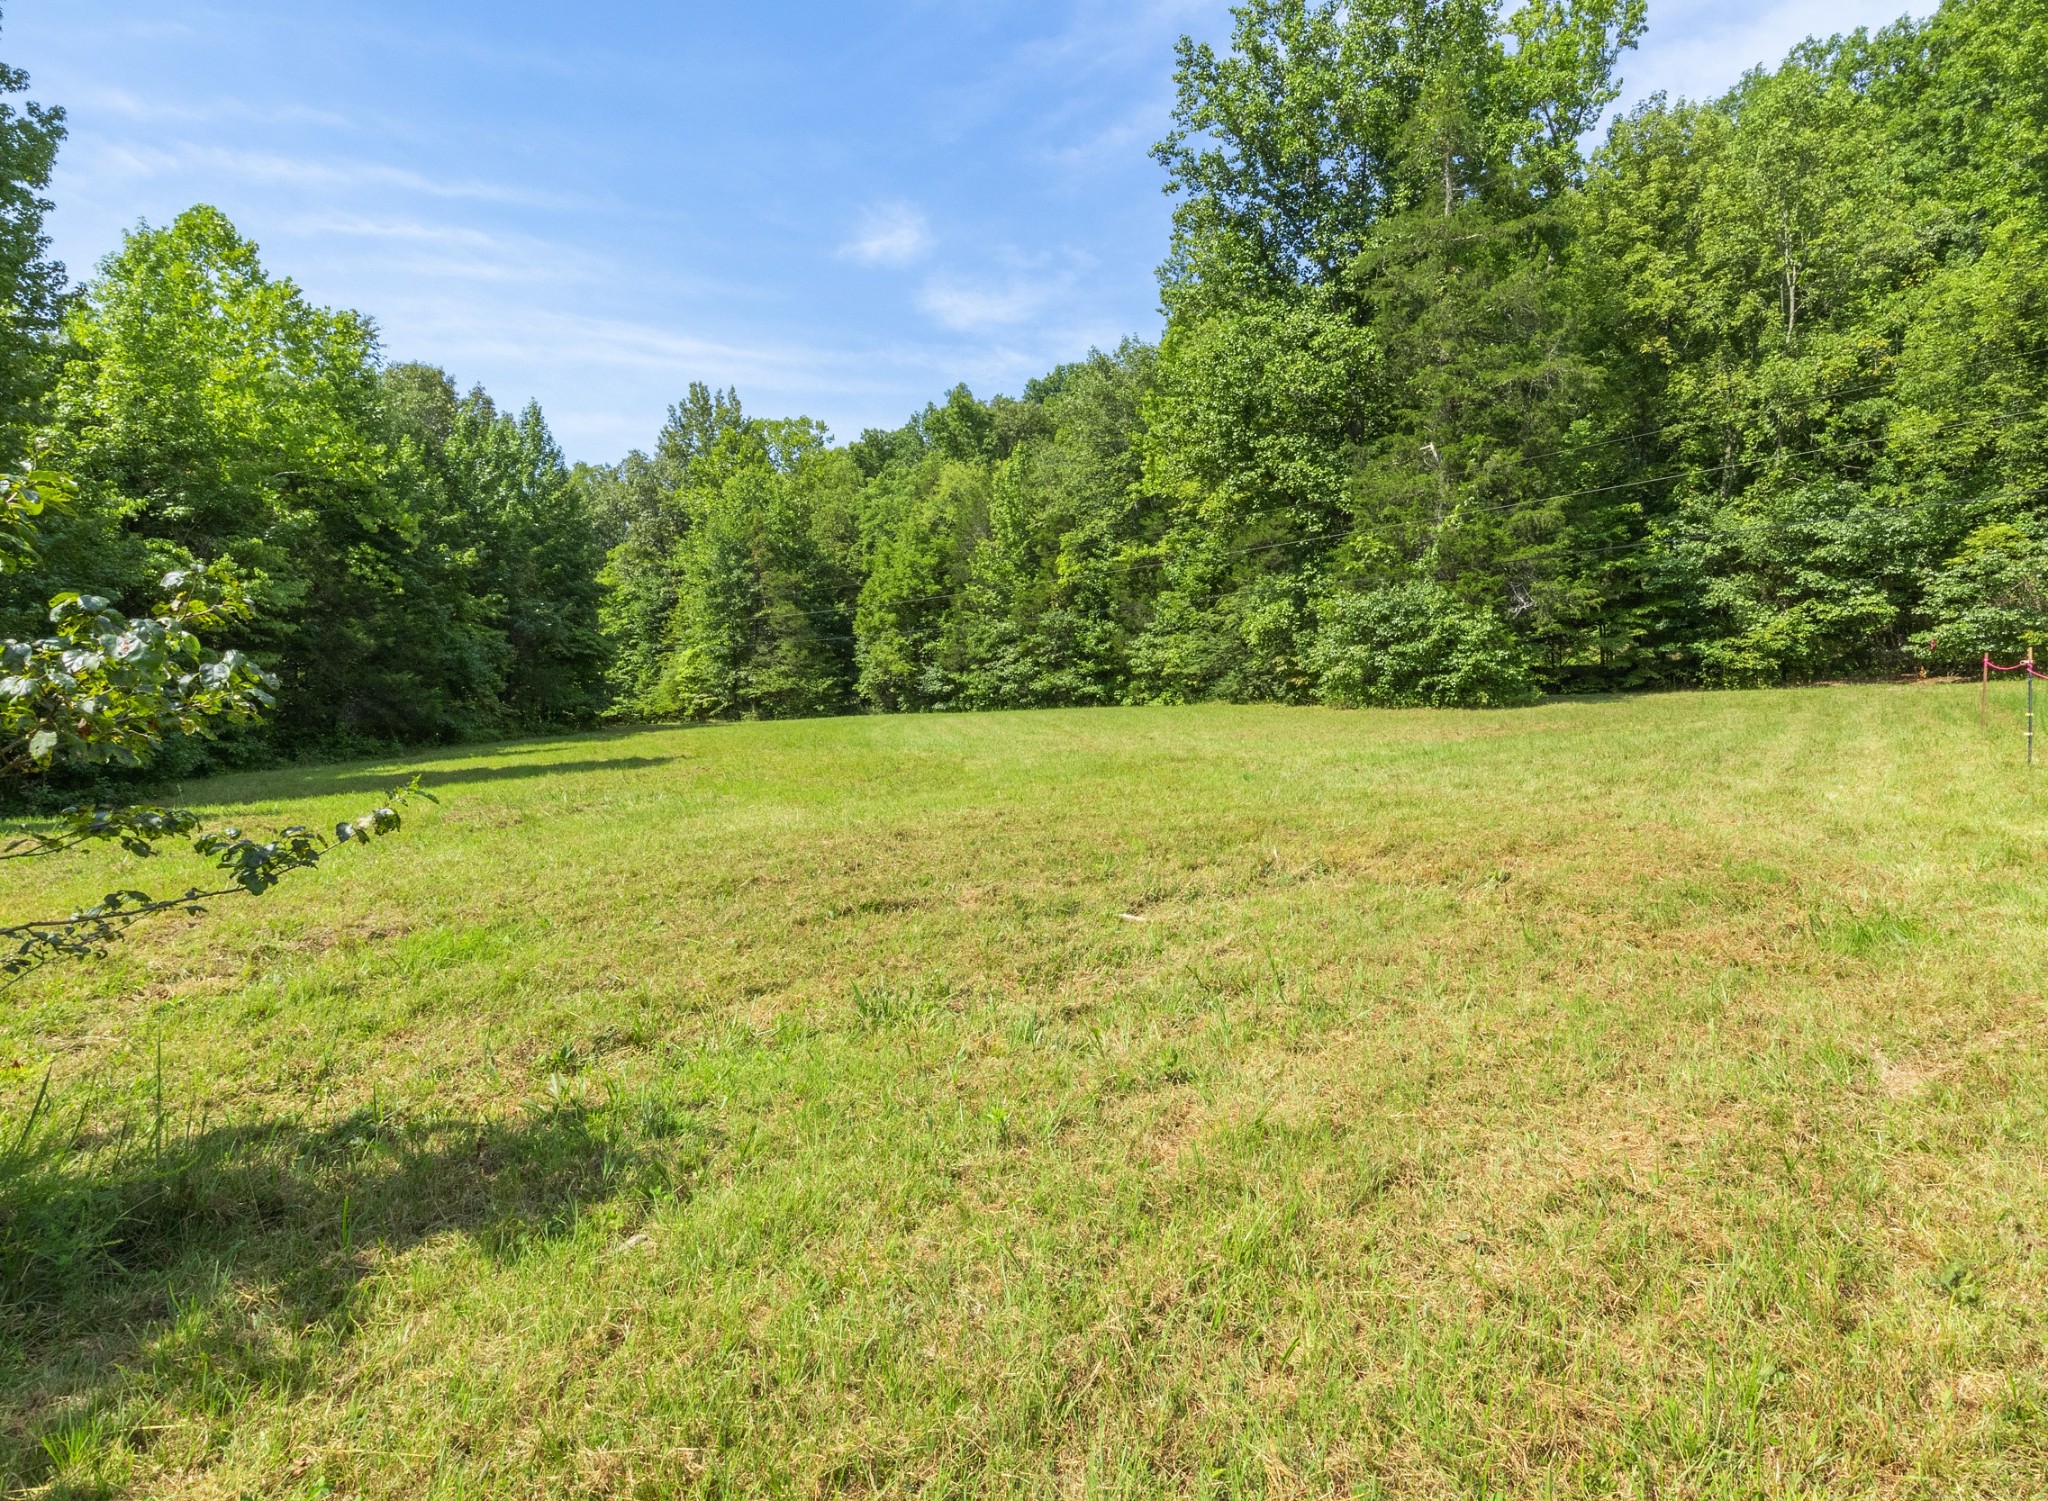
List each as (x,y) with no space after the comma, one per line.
(1627,1098)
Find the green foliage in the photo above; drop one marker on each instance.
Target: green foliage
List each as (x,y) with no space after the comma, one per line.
(1415,646)
(511,545)
(250,866)
(925,524)
(420,566)
(108,689)
(33,284)
(644,518)
(24,498)
(1838,333)
(1990,599)
(1376,350)
(1256,415)
(1755,392)
(136,828)
(1058,587)
(729,591)
(1445,410)
(763,601)
(1327,119)
(105,688)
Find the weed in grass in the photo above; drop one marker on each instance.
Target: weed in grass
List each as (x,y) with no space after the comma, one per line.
(883,1004)
(1868,935)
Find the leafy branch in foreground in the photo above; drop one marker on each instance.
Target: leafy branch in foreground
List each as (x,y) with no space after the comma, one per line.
(251,866)
(107,689)
(137,829)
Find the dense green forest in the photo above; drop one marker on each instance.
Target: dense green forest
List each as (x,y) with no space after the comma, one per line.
(1452,406)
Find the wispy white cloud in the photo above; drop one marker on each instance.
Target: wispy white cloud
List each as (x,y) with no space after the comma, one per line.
(1061,72)
(983,304)
(973,309)
(155,31)
(1017,287)
(554,338)
(118,158)
(1113,33)
(457,252)
(418,205)
(889,234)
(605,380)
(1114,144)
(408,230)
(132,106)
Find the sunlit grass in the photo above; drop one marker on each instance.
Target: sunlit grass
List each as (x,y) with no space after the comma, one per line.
(1635,1097)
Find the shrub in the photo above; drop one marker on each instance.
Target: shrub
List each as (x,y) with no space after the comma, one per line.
(1415,645)
(1990,599)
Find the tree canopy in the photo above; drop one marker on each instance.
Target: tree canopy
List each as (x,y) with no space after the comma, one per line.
(1463,396)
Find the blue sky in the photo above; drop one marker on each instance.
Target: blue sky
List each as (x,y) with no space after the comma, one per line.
(840,208)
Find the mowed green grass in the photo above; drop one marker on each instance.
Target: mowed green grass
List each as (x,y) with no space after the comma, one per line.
(1625,1098)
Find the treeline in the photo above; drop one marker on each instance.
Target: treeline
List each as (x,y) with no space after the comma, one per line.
(422,564)
(1447,410)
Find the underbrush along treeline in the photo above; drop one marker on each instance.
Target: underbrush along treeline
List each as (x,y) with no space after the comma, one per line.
(1447,410)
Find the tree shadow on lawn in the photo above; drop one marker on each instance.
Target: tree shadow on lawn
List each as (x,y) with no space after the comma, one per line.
(231,1261)
(316,785)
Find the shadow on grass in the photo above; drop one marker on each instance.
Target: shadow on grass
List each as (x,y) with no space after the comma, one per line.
(455,776)
(140,1274)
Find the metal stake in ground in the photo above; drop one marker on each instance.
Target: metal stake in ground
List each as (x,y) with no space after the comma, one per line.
(1984,695)
(2030,706)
